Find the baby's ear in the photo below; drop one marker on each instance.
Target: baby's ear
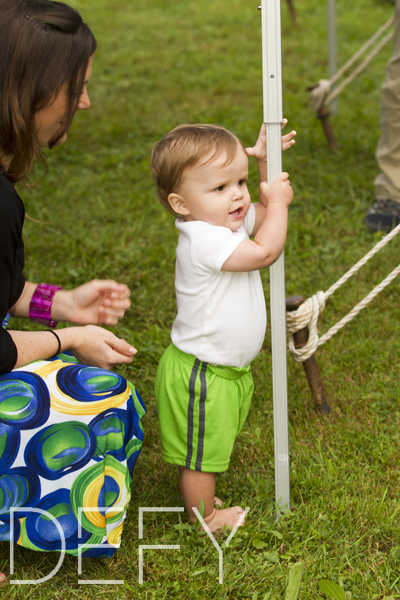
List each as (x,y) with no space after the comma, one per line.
(177,204)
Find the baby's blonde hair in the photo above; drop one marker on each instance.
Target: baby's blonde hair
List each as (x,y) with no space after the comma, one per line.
(182,149)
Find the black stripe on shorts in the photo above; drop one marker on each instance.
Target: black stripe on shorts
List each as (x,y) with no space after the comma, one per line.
(202,416)
(192,382)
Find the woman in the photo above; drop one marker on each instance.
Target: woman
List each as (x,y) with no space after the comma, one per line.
(69,434)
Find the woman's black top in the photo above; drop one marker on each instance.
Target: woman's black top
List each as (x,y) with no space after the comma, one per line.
(12,261)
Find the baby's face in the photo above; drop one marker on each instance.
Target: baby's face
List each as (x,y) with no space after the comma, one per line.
(216,192)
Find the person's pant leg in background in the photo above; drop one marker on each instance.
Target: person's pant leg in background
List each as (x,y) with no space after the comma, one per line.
(385,213)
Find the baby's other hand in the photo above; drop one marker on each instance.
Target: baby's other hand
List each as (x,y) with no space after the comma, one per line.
(287,140)
(259,151)
(280,191)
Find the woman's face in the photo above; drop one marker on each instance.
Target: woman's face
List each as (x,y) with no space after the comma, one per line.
(50,120)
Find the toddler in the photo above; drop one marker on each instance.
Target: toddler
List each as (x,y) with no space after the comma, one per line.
(204,385)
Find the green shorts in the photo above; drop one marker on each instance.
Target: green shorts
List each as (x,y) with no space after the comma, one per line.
(201,409)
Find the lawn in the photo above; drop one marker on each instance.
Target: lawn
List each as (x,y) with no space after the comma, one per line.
(161,63)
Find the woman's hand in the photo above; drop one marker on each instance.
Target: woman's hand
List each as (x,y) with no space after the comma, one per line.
(91,345)
(98,347)
(96,302)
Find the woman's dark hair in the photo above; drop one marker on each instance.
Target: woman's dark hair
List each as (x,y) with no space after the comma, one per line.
(43,45)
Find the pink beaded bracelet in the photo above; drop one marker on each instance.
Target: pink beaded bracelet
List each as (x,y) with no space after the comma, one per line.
(40,305)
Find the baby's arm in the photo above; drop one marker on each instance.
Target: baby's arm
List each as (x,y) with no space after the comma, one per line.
(271,213)
(259,151)
(271,236)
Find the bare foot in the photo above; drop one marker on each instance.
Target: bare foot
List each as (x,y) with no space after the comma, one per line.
(226,516)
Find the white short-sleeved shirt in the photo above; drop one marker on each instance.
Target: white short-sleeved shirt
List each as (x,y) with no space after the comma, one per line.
(221,315)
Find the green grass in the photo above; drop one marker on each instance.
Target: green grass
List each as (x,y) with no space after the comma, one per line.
(165,62)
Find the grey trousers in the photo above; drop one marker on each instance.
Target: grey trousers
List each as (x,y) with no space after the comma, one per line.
(387,183)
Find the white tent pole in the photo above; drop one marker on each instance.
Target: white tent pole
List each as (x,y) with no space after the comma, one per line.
(272,88)
(332,50)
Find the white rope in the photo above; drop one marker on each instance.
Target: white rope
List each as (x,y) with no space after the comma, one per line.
(321,93)
(360,67)
(377,289)
(363,49)
(381,244)
(307,313)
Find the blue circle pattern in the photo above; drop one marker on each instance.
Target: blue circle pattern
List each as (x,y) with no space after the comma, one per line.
(112,424)
(19,487)
(10,440)
(98,552)
(37,458)
(109,493)
(5,530)
(136,428)
(43,532)
(24,400)
(81,383)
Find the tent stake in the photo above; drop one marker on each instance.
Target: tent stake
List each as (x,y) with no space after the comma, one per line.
(310,365)
(292,12)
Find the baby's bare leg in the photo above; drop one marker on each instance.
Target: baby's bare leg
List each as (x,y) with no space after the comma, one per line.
(197,485)
(217,500)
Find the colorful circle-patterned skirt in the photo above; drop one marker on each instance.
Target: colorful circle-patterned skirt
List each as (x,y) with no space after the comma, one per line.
(69,439)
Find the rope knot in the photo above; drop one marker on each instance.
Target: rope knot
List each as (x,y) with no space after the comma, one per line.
(319,93)
(305,316)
